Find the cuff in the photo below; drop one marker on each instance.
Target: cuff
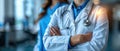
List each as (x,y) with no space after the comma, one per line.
(69,45)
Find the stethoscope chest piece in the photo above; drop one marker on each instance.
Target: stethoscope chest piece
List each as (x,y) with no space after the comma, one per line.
(87,23)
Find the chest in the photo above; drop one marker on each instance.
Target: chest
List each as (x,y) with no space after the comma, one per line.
(70,27)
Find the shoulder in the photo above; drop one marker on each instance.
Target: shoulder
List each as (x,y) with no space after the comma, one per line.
(100,10)
(64,7)
(61,9)
(101,13)
(58,13)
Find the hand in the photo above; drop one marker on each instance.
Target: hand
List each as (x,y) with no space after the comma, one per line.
(54,31)
(80,38)
(74,40)
(88,36)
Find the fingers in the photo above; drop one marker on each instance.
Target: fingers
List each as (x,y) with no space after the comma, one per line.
(51,32)
(56,28)
(57,31)
(88,36)
(82,38)
(54,31)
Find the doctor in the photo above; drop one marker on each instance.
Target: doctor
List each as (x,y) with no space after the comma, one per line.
(75,27)
(49,8)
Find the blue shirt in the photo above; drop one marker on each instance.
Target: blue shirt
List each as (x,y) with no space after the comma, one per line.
(77,10)
(43,23)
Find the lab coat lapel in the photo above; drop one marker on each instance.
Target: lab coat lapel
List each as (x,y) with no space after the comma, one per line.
(84,13)
(71,13)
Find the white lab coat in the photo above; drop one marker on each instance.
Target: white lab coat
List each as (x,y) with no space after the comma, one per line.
(99,27)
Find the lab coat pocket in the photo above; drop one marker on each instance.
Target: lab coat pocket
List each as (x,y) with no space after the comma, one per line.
(84,29)
(87,30)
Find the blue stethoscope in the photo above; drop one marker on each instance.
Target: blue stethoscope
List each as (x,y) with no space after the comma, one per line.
(87,22)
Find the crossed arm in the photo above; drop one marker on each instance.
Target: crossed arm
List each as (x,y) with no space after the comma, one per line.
(53,40)
(74,40)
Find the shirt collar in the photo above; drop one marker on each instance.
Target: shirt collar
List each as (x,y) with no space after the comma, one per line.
(51,10)
(82,5)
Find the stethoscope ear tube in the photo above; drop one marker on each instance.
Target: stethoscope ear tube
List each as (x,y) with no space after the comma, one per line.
(87,21)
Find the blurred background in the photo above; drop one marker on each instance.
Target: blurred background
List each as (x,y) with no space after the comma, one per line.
(18,32)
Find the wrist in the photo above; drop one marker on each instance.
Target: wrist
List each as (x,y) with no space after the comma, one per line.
(73,42)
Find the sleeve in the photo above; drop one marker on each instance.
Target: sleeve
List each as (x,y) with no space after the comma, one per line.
(100,32)
(69,45)
(39,45)
(55,43)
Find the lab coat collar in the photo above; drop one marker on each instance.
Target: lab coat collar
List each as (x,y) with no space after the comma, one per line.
(71,16)
(83,14)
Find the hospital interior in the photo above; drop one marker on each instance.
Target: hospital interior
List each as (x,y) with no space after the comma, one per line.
(19,33)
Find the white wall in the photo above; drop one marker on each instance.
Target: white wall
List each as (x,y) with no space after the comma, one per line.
(10,4)
(1,11)
(19,13)
(38,4)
